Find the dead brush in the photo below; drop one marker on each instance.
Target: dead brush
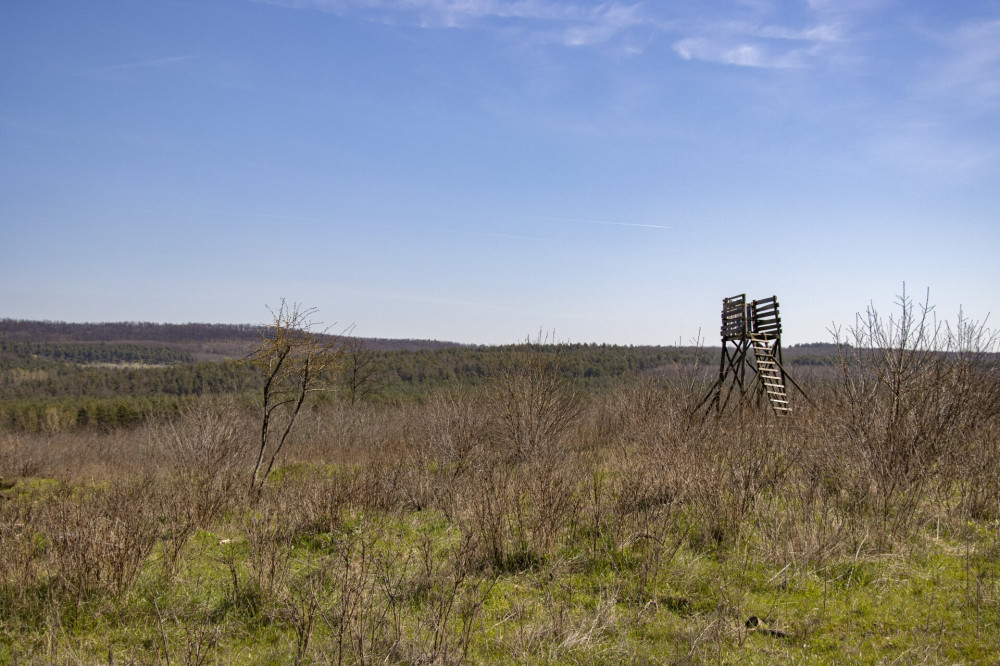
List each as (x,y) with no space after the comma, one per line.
(811,516)
(456,427)
(318,502)
(269,538)
(452,599)
(553,501)
(17,460)
(531,403)
(179,520)
(634,413)
(364,601)
(498,510)
(731,469)
(300,603)
(453,435)
(20,547)
(912,391)
(521,492)
(976,471)
(204,449)
(98,540)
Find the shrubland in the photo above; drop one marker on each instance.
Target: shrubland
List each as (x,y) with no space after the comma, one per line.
(528,519)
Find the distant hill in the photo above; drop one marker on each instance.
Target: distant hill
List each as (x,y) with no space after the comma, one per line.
(222,341)
(205,342)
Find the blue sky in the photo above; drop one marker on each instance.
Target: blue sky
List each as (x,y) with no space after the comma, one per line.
(480,170)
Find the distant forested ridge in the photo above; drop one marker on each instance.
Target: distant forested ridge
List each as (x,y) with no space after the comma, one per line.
(60,331)
(23,330)
(87,352)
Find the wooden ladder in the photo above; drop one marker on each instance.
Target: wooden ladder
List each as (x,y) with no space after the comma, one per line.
(771,374)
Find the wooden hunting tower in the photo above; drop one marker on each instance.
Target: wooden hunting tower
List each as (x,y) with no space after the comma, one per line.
(751,340)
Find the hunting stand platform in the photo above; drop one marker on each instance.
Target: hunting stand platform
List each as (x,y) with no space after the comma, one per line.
(751,339)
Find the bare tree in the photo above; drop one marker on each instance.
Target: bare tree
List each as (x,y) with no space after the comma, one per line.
(296,360)
(362,370)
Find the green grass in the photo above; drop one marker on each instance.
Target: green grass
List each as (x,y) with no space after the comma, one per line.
(935,600)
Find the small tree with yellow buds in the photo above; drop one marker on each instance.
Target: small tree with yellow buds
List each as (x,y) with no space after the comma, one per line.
(297,360)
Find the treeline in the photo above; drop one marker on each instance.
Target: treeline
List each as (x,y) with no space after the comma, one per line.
(22,330)
(61,414)
(594,365)
(65,380)
(16,354)
(65,396)
(60,331)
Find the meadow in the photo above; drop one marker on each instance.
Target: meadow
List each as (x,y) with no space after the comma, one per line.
(527,517)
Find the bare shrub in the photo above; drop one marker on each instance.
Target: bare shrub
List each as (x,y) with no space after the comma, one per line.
(16,459)
(268,534)
(98,540)
(301,603)
(456,429)
(638,412)
(453,433)
(496,513)
(531,402)
(977,471)
(204,449)
(19,546)
(913,390)
(365,616)
(452,598)
(317,503)
(731,466)
(811,517)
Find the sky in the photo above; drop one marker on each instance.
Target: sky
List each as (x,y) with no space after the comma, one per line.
(481,171)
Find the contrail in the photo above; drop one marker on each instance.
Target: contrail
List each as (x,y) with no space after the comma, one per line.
(158,62)
(606,222)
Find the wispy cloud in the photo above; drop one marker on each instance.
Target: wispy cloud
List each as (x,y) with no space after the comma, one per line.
(947,97)
(969,72)
(566,23)
(728,51)
(744,37)
(752,43)
(752,33)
